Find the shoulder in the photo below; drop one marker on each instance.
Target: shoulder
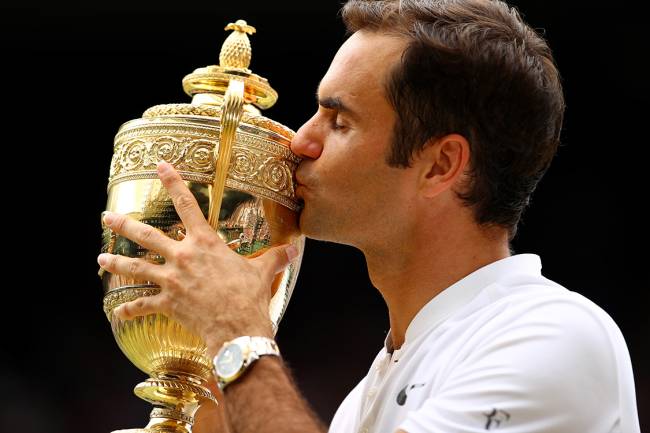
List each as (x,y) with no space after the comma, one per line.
(539,322)
(345,417)
(547,357)
(554,314)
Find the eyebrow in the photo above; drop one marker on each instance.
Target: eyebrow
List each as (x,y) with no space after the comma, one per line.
(335,103)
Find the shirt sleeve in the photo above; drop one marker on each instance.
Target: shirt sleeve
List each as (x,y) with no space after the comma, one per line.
(551,369)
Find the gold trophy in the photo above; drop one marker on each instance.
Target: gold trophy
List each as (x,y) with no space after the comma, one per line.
(239,166)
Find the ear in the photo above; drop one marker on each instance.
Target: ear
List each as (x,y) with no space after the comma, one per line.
(443,162)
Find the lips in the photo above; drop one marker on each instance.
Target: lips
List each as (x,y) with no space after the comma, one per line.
(299,185)
(300,190)
(299,179)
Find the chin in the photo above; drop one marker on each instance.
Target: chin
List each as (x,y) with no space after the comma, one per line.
(322,229)
(306,225)
(310,226)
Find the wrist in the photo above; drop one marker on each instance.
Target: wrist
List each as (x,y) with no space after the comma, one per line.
(215,340)
(236,356)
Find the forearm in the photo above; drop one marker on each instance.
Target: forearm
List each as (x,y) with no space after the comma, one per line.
(265,400)
(211,418)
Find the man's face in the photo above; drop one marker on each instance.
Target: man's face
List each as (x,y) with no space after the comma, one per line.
(350,194)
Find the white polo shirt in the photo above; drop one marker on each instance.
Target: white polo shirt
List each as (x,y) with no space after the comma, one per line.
(503,349)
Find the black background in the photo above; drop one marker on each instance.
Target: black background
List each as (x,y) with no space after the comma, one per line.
(72,72)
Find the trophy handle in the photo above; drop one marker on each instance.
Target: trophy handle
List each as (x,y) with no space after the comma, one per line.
(233,108)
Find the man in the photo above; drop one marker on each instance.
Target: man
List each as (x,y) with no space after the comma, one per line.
(436,120)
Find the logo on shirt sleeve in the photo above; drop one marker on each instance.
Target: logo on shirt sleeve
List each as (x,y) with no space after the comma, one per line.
(495,418)
(401,397)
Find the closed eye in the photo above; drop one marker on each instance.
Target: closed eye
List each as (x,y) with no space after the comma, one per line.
(336,126)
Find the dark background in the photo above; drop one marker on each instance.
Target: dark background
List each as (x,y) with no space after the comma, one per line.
(73,72)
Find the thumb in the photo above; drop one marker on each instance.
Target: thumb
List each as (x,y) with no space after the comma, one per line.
(276,259)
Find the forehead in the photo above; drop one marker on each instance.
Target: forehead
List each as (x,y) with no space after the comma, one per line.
(361,65)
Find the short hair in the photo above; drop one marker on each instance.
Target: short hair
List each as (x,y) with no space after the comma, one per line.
(475,68)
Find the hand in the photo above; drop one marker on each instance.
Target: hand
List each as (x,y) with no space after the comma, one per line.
(208,288)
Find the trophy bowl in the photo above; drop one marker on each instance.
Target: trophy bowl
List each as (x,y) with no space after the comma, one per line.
(239,167)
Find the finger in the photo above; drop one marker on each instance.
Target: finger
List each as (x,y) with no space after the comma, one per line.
(140,307)
(276,259)
(186,205)
(138,269)
(143,234)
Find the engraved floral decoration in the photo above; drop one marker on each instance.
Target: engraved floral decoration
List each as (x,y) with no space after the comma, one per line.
(257,165)
(276,175)
(184,153)
(166,148)
(133,155)
(243,164)
(199,156)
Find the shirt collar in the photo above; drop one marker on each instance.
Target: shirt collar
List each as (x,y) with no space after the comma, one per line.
(461,292)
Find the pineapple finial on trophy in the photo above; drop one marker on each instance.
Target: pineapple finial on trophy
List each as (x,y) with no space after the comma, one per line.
(208,85)
(236,49)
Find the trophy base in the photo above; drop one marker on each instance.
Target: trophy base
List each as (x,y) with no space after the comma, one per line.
(134,430)
(180,397)
(151,430)
(164,420)
(157,429)
(174,391)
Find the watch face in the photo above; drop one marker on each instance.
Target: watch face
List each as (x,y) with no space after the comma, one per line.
(229,361)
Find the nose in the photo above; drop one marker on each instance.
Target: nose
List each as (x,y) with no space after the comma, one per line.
(307,142)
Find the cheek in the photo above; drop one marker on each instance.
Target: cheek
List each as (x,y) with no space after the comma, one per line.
(354,161)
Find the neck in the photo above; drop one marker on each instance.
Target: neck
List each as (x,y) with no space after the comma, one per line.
(411,273)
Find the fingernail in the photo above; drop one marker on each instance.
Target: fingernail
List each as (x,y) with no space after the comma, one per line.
(102,259)
(292,252)
(163,167)
(108,218)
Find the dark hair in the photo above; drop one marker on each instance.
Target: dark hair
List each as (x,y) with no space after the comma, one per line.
(472,67)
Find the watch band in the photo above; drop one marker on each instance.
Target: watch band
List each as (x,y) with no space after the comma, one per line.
(263,346)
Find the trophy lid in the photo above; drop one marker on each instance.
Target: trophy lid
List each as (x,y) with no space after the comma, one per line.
(189,136)
(207,85)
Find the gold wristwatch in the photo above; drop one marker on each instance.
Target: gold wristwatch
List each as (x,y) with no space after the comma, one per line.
(237,355)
